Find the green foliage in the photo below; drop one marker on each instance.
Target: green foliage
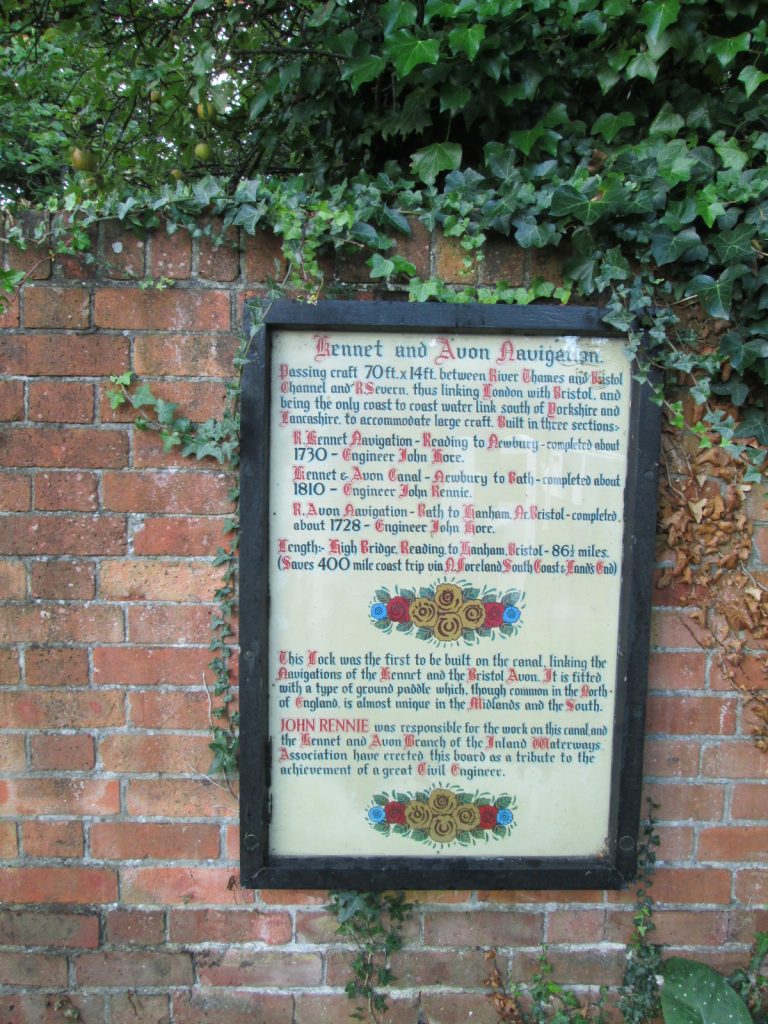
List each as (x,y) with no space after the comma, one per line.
(542,1000)
(373,922)
(694,993)
(751,982)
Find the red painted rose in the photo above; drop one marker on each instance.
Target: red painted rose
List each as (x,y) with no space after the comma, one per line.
(494,614)
(487,816)
(395,812)
(397,609)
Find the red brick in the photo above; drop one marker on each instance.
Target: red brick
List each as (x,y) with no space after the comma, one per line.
(15,492)
(13,574)
(37,928)
(59,623)
(182,710)
(58,885)
(59,796)
(743,925)
(71,535)
(738,759)
(219,262)
(750,801)
(135,927)
(53,839)
(135,752)
(171,254)
(61,402)
(465,929)
(574,967)
(33,970)
(671,757)
(177,797)
(211,1007)
(677,671)
(172,310)
(264,259)
(124,253)
(235,967)
(503,261)
(676,843)
(62,752)
(450,266)
(691,927)
(66,579)
(45,306)
(294,897)
(229,926)
(192,885)
(417,968)
(438,1008)
(750,672)
(691,715)
(185,355)
(9,843)
(316,927)
(13,756)
(75,266)
(63,709)
(10,314)
(56,666)
(11,400)
(49,1008)
(547,263)
(79,447)
(749,843)
(153,624)
(144,579)
(124,969)
(197,400)
(127,840)
(691,885)
(34,258)
(677,629)
(67,491)
(92,355)
(678,802)
(150,666)
(187,492)
(177,535)
(751,887)
(9,667)
(139,1008)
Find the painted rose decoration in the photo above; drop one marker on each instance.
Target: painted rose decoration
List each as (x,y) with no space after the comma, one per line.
(448,612)
(440,816)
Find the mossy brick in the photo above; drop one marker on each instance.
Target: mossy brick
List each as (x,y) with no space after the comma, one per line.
(56,666)
(62,752)
(66,491)
(59,401)
(171,254)
(134,927)
(123,254)
(44,928)
(15,492)
(127,969)
(56,447)
(59,796)
(176,309)
(61,709)
(63,579)
(63,355)
(209,1006)
(11,400)
(61,623)
(51,839)
(65,884)
(62,308)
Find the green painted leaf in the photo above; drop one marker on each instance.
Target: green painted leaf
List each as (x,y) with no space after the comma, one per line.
(407,52)
(727,49)
(694,993)
(427,163)
(360,70)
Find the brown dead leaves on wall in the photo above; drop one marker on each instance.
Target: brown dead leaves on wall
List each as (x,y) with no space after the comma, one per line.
(707,534)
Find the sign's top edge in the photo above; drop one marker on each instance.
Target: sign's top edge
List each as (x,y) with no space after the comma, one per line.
(383,315)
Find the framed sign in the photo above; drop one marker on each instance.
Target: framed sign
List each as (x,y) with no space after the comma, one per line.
(447,539)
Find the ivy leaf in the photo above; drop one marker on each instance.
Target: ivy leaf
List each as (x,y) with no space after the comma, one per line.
(735,245)
(440,156)
(466,39)
(454,98)
(407,52)
(716,295)
(500,159)
(360,70)
(754,424)
(533,235)
(666,122)
(726,49)
(142,396)
(609,125)
(396,14)
(568,201)
(643,66)
(658,16)
(668,247)
(752,79)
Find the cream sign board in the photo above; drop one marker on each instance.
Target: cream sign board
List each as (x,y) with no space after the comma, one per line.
(447,519)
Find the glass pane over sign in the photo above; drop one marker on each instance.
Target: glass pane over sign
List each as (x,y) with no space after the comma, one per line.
(445,550)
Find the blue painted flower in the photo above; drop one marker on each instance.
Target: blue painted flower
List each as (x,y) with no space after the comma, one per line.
(379,611)
(376,814)
(511,614)
(504,817)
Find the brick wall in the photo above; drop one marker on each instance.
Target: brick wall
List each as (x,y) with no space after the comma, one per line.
(118,855)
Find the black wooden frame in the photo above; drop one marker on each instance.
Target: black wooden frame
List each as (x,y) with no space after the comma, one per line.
(259,868)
